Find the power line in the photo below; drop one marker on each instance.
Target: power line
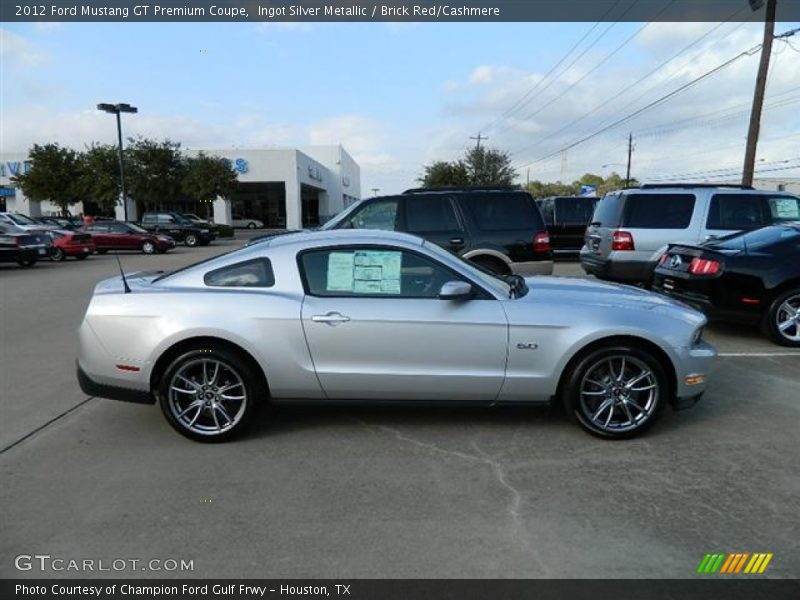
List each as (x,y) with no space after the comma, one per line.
(649,106)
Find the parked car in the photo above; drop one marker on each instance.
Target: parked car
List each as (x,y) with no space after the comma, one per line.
(749,278)
(178,227)
(195,219)
(221,230)
(240,222)
(374,316)
(566,218)
(24,222)
(500,229)
(71,243)
(20,246)
(631,229)
(63,223)
(117,235)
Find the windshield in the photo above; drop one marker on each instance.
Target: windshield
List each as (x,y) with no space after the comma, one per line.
(136,228)
(494,282)
(342,216)
(21,219)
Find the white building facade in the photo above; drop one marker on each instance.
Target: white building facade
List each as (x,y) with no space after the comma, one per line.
(282,187)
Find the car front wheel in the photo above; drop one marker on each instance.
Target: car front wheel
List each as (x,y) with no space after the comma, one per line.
(616,392)
(148,247)
(782,320)
(251,225)
(209,394)
(190,240)
(57,254)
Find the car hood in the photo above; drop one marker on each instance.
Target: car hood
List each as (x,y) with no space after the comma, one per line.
(587,292)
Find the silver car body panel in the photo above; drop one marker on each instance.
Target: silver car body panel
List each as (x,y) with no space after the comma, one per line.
(486,349)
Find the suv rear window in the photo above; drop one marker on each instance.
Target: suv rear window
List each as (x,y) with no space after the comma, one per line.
(608,211)
(494,211)
(574,211)
(658,211)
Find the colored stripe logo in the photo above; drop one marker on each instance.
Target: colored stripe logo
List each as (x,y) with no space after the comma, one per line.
(734,563)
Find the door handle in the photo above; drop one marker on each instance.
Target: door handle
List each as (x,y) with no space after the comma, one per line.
(456,241)
(332,318)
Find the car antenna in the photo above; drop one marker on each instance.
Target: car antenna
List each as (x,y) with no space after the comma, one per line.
(125,285)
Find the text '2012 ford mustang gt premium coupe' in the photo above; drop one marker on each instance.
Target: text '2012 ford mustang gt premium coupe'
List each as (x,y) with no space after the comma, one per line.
(374,316)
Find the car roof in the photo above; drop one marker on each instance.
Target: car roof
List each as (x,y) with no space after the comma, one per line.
(343,235)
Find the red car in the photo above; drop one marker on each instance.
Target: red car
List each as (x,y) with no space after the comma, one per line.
(71,243)
(117,235)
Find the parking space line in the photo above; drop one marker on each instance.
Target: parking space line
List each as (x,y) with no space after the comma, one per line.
(45,425)
(756,354)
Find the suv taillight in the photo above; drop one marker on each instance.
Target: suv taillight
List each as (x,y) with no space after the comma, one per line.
(541,242)
(622,240)
(703,266)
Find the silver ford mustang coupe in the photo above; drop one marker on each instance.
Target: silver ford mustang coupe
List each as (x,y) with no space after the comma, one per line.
(374,316)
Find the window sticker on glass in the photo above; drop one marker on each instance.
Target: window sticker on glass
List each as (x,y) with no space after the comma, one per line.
(787,208)
(340,272)
(364,272)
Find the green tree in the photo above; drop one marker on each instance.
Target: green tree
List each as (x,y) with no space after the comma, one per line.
(154,171)
(442,173)
(480,166)
(206,177)
(489,166)
(53,176)
(99,176)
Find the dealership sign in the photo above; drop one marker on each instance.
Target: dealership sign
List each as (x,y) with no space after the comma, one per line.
(10,169)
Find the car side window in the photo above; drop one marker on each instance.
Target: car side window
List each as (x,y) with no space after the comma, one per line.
(256,272)
(165,219)
(784,208)
(372,272)
(118,228)
(425,214)
(736,211)
(381,214)
(659,211)
(548,211)
(97,228)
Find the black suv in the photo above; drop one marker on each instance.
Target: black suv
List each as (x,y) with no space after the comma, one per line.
(500,229)
(178,227)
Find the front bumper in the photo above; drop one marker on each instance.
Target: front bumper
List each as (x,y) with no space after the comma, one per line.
(693,366)
(99,390)
(533,267)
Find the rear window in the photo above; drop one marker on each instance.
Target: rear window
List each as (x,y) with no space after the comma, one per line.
(250,273)
(608,211)
(574,211)
(658,211)
(504,212)
(737,211)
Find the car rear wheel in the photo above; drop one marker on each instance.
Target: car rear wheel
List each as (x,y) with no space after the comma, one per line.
(782,320)
(209,394)
(57,254)
(616,392)
(190,240)
(148,247)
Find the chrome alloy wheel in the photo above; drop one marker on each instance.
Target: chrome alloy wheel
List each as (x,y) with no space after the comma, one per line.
(207,397)
(619,393)
(787,319)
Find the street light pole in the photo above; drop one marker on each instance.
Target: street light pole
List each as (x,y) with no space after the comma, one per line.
(117,109)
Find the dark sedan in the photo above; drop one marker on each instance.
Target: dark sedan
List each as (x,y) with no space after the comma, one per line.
(751,277)
(22,247)
(117,235)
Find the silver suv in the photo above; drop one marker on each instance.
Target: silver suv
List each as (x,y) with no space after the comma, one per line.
(631,229)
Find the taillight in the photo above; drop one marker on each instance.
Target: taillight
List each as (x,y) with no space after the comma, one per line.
(703,266)
(622,240)
(541,242)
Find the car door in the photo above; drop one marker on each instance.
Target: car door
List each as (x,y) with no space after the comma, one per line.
(376,328)
(100,235)
(121,238)
(433,217)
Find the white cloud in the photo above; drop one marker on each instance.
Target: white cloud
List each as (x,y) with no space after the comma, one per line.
(15,49)
(483,75)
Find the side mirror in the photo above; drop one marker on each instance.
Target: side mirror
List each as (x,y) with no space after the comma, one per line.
(455,290)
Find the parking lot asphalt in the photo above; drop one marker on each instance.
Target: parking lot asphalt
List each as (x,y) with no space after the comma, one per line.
(383,493)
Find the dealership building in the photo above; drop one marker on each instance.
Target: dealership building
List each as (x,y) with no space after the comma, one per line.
(283,187)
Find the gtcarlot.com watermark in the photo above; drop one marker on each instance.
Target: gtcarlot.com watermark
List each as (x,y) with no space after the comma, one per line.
(46,562)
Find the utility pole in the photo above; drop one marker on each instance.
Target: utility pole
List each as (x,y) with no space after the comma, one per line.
(630,154)
(758,95)
(478,138)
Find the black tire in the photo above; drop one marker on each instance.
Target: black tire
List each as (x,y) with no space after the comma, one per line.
(233,365)
(148,247)
(25,264)
(191,240)
(583,399)
(778,312)
(495,265)
(57,254)
(251,225)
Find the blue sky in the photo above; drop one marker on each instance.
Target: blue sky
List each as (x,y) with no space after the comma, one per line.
(396,96)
